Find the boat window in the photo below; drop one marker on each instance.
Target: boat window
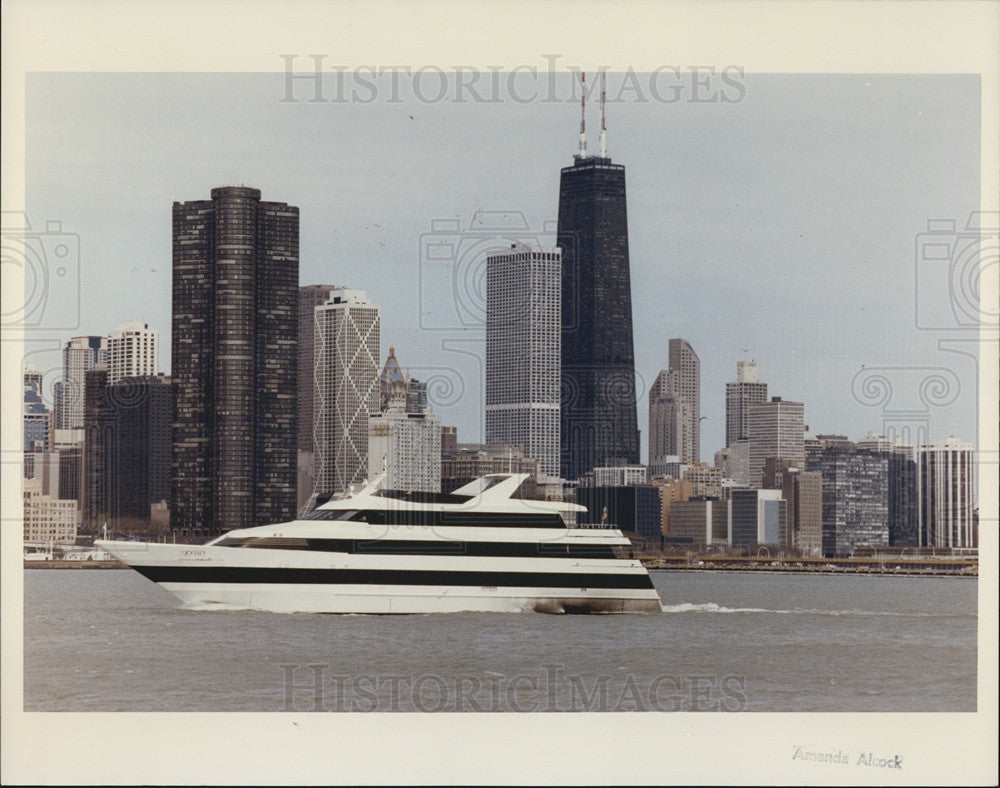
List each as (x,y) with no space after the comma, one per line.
(331,514)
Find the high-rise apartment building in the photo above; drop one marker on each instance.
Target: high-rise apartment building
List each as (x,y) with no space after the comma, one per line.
(80,355)
(132,351)
(902,489)
(684,361)
(234,361)
(523,332)
(598,413)
(348,388)
(944,489)
(775,429)
(746,391)
(855,495)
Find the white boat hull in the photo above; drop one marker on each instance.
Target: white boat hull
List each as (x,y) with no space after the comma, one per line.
(364,599)
(187,571)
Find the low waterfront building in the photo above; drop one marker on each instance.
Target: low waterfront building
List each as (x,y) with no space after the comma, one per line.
(47,519)
(672,491)
(757,517)
(629,507)
(699,523)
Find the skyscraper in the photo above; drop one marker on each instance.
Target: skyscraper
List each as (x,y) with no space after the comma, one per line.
(944,489)
(127,454)
(348,389)
(746,391)
(669,420)
(522,352)
(684,361)
(80,355)
(776,429)
(310,297)
(598,408)
(132,351)
(234,361)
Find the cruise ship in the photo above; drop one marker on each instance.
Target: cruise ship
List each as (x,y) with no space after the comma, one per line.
(392,551)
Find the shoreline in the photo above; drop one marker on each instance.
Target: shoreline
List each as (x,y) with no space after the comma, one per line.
(821,567)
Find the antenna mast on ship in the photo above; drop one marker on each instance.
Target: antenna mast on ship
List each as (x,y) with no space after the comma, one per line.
(583,114)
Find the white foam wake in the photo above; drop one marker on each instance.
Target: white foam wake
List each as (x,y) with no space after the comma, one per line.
(712,607)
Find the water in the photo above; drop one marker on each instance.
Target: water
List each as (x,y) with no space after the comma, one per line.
(113,641)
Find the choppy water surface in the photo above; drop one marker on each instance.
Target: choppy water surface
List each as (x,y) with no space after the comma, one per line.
(113,641)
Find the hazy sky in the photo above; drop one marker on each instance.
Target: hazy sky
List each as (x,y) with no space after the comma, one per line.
(781,227)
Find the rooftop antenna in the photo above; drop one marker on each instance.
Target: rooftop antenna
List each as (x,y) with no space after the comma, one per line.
(604,135)
(583,114)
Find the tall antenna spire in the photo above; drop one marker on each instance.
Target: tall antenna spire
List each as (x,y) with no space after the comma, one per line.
(604,129)
(583,114)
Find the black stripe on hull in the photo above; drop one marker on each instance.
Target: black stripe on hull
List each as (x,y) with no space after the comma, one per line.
(396,577)
(423,547)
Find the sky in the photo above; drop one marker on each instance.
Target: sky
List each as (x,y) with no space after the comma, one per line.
(780,219)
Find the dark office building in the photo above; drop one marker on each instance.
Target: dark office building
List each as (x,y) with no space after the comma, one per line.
(234,362)
(630,508)
(71,473)
(127,449)
(98,435)
(902,488)
(757,517)
(598,414)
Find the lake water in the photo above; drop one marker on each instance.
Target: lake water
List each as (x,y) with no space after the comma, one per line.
(727,641)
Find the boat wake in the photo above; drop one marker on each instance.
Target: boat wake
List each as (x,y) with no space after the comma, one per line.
(712,607)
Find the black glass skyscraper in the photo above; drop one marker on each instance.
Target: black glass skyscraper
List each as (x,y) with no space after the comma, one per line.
(598,413)
(234,362)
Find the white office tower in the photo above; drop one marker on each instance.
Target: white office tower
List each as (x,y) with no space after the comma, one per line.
(404,439)
(80,355)
(347,388)
(776,429)
(746,391)
(407,446)
(944,494)
(132,349)
(523,361)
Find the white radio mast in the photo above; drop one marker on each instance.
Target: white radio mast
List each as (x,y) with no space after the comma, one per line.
(583,114)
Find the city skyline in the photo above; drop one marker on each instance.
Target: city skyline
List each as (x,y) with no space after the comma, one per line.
(799,360)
